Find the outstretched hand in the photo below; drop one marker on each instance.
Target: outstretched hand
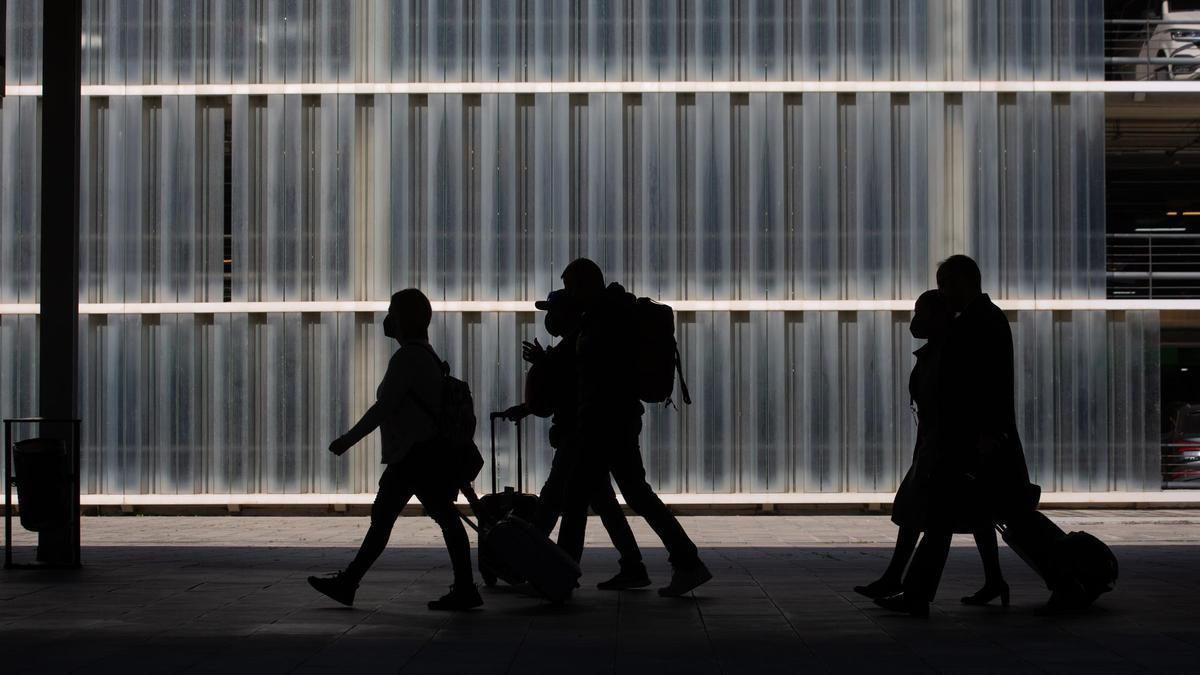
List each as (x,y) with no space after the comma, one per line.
(340,445)
(532,352)
(517,412)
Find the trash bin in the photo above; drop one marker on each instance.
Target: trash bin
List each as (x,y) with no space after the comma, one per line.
(42,473)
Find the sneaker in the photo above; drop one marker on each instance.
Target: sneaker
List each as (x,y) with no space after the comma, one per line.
(685,579)
(627,578)
(460,597)
(336,586)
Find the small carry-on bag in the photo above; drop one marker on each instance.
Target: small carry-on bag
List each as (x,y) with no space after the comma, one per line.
(510,501)
(1077,567)
(515,545)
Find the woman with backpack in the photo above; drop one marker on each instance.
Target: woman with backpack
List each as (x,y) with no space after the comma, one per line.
(415,455)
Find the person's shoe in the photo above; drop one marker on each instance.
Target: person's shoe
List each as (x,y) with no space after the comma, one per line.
(627,578)
(902,603)
(880,588)
(988,593)
(460,597)
(336,586)
(685,579)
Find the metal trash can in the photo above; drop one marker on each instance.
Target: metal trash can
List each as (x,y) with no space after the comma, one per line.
(42,473)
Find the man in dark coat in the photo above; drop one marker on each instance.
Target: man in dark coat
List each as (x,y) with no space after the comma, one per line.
(610,418)
(979,469)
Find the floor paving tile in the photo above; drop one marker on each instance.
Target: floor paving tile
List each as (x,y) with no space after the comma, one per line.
(228,595)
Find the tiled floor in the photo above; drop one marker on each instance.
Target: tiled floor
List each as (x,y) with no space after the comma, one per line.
(227,595)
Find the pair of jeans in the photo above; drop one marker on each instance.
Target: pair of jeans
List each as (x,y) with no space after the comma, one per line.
(568,492)
(611,448)
(399,483)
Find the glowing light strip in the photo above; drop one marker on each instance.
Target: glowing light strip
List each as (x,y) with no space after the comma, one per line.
(346,307)
(686,499)
(644,87)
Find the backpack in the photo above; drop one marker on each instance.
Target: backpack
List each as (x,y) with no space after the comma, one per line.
(454,426)
(656,361)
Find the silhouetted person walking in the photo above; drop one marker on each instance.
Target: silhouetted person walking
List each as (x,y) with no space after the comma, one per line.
(910,509)
(553,387)
(404,411)
(978,470)
(610,418)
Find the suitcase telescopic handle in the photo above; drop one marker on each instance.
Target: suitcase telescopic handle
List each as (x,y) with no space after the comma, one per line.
(520,471)
(494,417)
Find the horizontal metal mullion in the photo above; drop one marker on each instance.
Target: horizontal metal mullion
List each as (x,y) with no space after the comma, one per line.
(631,87)
(317,307)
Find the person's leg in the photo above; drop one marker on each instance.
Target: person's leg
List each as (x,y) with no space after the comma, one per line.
(573,528)
(989,553)
(605,504)
(394,493)
(439,505)
(892,580)
(625,463)
(925,571)
(906,543)
(632,573)
(993,579)
(444,512)
(552,498)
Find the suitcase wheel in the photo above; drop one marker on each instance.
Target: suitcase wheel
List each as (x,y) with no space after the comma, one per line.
(489,579)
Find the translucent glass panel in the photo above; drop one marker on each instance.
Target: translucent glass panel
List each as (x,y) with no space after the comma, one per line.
(271,41)
(784,402)
(680,196)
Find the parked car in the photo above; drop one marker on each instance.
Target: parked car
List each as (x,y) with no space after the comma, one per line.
(1181,449)
(1176,38)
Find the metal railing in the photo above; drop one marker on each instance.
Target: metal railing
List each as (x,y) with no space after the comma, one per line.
(1151,49)
(1153,265)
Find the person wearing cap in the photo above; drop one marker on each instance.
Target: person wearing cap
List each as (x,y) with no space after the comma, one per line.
(610,418)
(551,389)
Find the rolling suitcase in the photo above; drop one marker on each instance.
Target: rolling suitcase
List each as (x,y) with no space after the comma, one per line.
(1077,567)
(517,547)
(500,504)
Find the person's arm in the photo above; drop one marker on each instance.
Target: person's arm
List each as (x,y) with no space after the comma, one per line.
(389,391)
(365,425)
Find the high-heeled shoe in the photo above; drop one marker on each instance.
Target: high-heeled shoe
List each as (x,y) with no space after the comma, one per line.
(880,588)
(901,602)
(988,593)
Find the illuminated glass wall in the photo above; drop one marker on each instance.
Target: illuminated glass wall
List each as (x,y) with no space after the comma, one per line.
(791,172)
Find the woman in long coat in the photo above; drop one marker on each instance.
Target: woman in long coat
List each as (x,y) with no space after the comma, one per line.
(911,509)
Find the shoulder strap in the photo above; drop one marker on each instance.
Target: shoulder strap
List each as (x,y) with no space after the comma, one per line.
(683,388)
(425,407)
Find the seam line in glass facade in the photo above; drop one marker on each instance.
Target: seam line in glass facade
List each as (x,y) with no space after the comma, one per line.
(651,87)
(1008,304)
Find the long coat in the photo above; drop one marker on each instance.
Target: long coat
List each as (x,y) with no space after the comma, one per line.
(979,475)
(910,509)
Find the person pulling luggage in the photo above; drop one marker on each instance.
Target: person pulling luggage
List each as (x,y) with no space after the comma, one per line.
(551,389)
(610,417)
(415,454)
(978,466)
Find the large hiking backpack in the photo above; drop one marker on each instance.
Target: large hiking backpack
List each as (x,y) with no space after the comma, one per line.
(454,425)
(656,361)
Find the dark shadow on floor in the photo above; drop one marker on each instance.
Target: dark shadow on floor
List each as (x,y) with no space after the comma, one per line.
(788,609)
